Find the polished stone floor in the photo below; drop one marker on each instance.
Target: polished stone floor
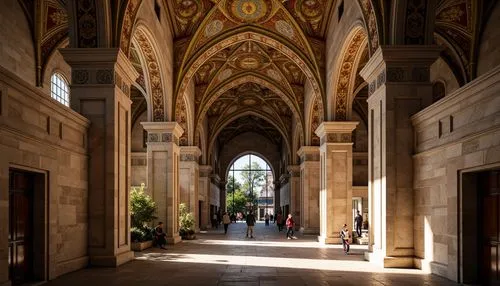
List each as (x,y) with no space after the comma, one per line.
(233,259)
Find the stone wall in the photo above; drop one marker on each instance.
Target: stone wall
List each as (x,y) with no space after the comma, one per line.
(17,52)
(41,135)
(489,47)
(214,196)
(458,133)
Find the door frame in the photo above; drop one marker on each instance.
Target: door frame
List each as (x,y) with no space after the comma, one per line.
(41,220)
(468,192)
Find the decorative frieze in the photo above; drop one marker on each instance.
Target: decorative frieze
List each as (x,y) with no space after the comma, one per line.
(337,138)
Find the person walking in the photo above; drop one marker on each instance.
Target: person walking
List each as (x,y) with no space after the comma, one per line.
(250,223)
(226,221)
(359,222)
(266,219)
(290,224)
(279,221)
(344,236)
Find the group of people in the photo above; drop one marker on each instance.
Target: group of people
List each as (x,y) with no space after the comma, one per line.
(290,224)
(160,235)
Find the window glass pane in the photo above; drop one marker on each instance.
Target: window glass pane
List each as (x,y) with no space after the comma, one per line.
(59,89)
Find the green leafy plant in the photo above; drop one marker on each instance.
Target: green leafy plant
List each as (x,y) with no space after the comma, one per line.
(142,212)
(186,221)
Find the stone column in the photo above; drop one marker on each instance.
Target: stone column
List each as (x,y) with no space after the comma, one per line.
(277,206)
(222,188)
(309,189)
(335,178)
(163,173)
(294,183)
(100,91)
(399,86)
(189,179)
(204,191)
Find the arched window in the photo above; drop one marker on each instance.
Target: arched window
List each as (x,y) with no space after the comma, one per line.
(59,89)
(250,186)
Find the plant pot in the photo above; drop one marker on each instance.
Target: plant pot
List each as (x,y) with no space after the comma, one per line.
(140,246)
(189,237)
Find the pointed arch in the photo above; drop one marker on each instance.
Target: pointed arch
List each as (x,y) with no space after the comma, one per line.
(153,72)
(345,71)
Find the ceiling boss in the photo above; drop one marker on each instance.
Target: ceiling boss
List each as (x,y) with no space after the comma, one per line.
(249,11)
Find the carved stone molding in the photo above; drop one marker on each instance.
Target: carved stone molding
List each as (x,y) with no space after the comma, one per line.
(336,131)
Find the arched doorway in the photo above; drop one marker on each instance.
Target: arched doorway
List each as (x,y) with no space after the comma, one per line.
(250,186)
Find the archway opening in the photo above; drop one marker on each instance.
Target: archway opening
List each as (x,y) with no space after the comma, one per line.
(250,187)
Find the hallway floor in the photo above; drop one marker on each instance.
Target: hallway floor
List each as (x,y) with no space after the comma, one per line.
(232,259)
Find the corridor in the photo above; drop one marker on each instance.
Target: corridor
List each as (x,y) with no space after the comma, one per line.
(267,259)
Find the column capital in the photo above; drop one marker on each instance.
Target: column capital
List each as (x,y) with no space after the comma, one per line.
(190,153)
(294,170)
(100,66)
(308,153)
(205,170)
(405,63)
(336,131)
(163,131)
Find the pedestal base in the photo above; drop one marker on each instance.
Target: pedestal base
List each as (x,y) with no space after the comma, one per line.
(112,261)
(309,231)
(379,259)
(174,239)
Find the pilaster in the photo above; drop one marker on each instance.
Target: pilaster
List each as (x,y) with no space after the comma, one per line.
(163,156)
(335,195)
(204,193)
(189,179)
(309,189)
(294,186)
(399,86)
(100,90)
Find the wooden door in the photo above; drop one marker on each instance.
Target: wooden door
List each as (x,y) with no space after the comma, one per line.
(20,227)
(490,230)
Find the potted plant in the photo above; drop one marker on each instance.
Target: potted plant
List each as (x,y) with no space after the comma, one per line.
(186,223)
(142,213)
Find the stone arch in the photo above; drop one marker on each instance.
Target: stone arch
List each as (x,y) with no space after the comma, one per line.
(201,142)
(246,78)
(242,114)
(126,25)
(345,74)
(372,22)
(316,117)
(153,73)
(255,153)
(184,118)
(190,66)
(298,141)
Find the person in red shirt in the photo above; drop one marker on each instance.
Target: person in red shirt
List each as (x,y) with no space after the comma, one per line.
(290,224)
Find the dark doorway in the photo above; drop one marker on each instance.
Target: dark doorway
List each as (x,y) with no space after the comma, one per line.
(21,185)
(480,213)
(489,252)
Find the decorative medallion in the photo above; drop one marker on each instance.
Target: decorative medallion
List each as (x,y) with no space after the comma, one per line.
(249,61)
(249,11)
(187,8)
(309,10)
(213,28)
(284,28)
